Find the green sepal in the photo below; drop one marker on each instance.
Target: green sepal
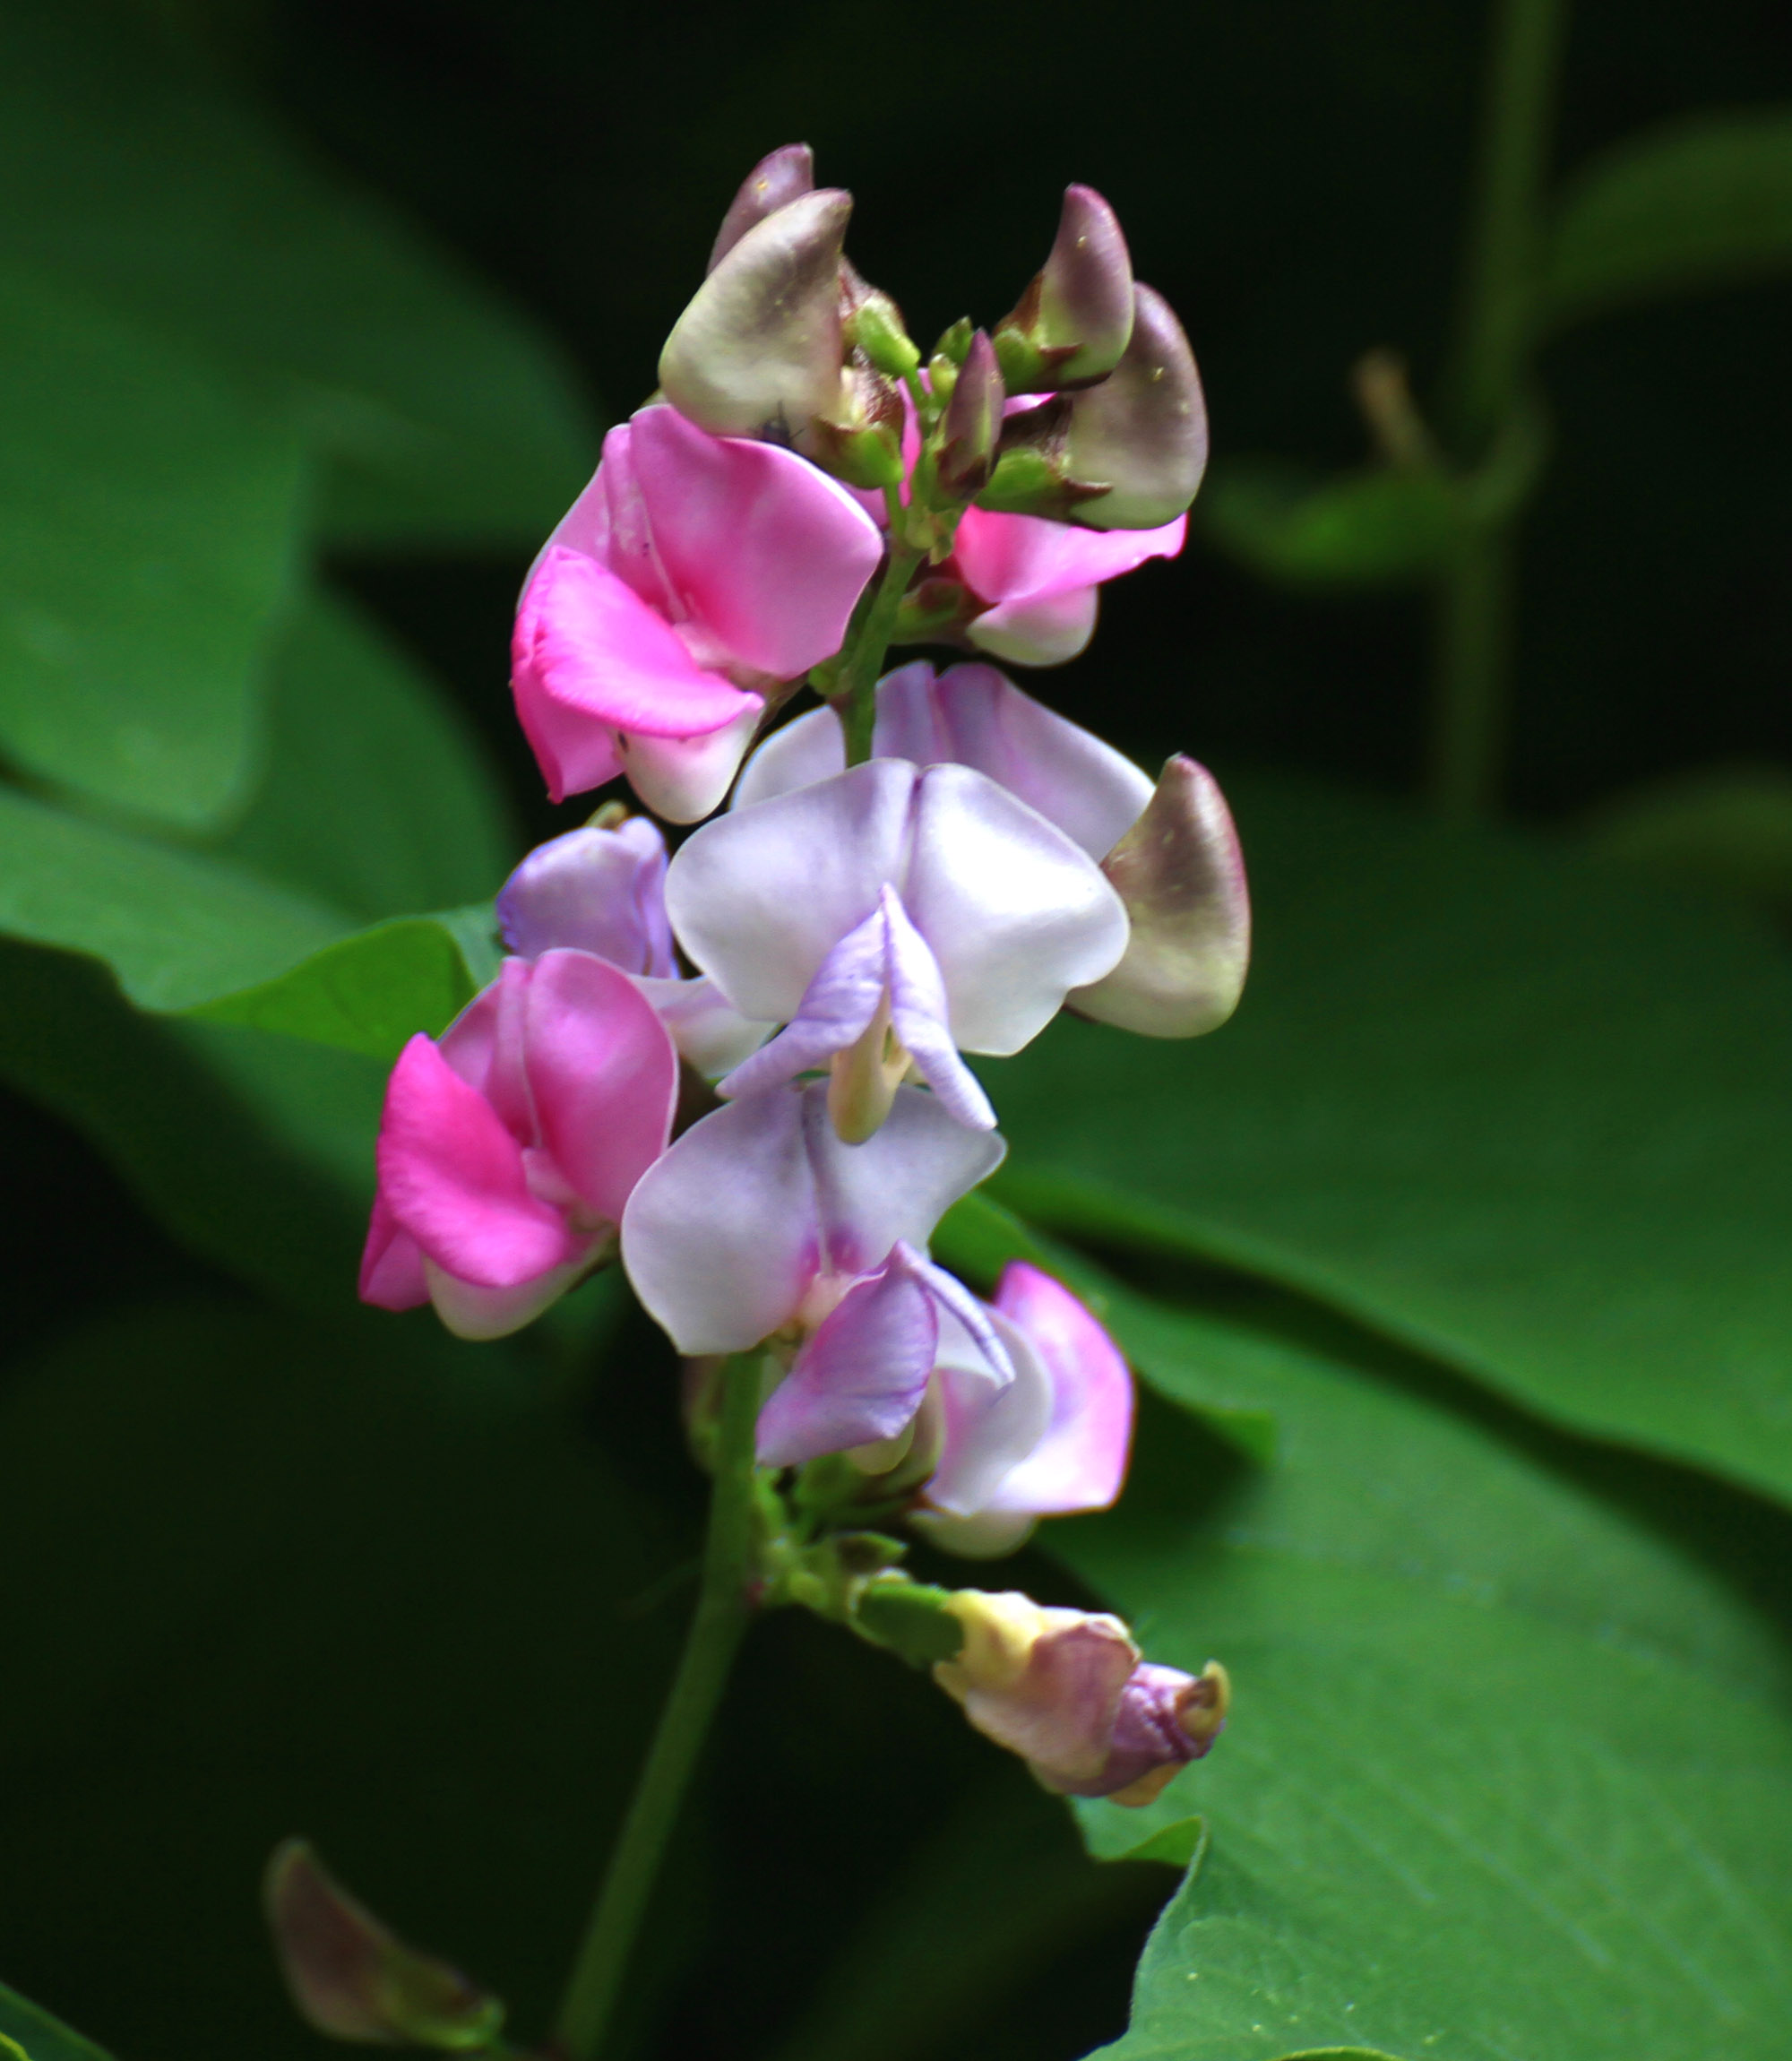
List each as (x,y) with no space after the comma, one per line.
(911,1618)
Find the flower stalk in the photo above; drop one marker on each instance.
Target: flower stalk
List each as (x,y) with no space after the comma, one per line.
(724,1609)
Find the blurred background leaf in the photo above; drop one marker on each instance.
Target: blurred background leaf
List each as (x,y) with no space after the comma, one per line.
(1361,529)
(1703,201)
(21,2020)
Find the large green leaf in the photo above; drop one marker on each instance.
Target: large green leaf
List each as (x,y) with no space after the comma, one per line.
(131,173)
(1523,1111)
(177,927)
(149,512)
(1510,1767)
(33,2034)
(260,1580)
(378,799)
(1702,202)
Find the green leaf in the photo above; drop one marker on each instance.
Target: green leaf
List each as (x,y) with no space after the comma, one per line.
(1725,827)
(30,2034)
(1531,1116)
(1373,528)
(140,179)
(1509,1770)
(177,928)
(148,518)
(377,799)
(1699,203)
(370,993)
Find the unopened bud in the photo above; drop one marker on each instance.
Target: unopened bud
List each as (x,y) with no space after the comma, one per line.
(860,439)
(971,426)
(875,327)
(1074,322)
(1143,433)
(759,350)
(352,1979)
(773,183)
(1180,874)
(1031,476)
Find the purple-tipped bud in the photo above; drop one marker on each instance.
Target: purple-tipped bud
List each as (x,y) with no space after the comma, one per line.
(352,1979)
(971,426)
(758,351)
(1143,433)
(773,183)
(1074,322)
(1180,874)
(1165,1719)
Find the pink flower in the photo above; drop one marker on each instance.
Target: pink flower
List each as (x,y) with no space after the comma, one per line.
(1071,1402)
(694,573)
(508,1150)
(1038,581)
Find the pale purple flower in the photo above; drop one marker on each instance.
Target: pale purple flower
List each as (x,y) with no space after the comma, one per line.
(889,915)
(970,715)
(1056,1442)
(508,1149)
(604,891)
(760,1225)
(694,574)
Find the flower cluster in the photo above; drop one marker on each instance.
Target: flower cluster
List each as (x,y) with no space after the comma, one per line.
(740,1067)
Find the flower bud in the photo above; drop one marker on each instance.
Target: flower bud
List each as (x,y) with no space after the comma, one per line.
(773,183)
(1074,322)
(875,325)
(1143,433)
(1165,1718)
(352,1979)
(859,439)
(1180,874)
(971,426)
(759,349)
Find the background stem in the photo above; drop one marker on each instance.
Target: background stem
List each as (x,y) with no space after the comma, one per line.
(1473,652)
(720,1619)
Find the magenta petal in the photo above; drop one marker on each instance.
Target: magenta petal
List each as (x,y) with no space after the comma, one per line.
(604,1074)
(861,1376)
(453,1178)
(1024,558)
(392,1266)
(763,548)
(1080,1462)
(590,658)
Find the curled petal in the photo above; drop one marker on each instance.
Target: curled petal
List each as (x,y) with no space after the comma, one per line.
(1078,1459)
(764,549)
(453,1178)
(761,896)
(1048,632)
(990,1426)
(861,1376)
(1006,558)
(685,779)
(603,1074)
(598,890)
(590,658)
(1013,911)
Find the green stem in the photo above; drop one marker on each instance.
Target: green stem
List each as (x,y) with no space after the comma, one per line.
(1496,334)
(722,1614)
(856,695)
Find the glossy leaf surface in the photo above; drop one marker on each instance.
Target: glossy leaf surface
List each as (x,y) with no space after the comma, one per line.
(148,522)
(1527,1113)
(1510,1768)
